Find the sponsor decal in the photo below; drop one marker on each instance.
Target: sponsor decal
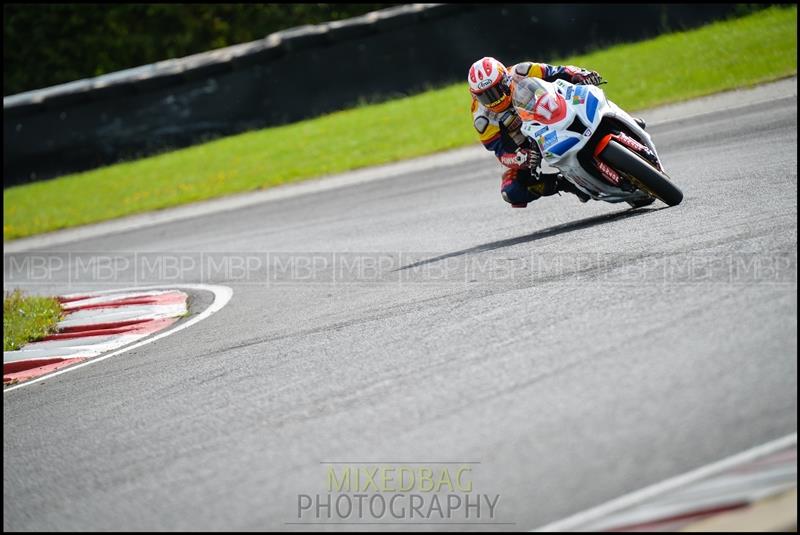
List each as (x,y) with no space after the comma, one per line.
(639,148)
(540,132)
(632,143)
(588,132)
(549,139)
(580,95)
(607,172)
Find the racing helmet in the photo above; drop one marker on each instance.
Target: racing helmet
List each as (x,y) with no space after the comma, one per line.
(488,82)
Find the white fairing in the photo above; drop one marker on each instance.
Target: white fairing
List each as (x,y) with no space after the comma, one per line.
(560,145)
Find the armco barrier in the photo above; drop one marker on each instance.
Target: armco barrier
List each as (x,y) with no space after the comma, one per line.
(300,73)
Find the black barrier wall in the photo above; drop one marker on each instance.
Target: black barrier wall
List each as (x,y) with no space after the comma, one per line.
(302,73)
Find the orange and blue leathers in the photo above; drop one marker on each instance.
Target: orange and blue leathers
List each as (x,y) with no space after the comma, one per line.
(499,132)
(493,133)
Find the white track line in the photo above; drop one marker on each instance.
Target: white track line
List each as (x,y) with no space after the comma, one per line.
(222,294)
(667,485)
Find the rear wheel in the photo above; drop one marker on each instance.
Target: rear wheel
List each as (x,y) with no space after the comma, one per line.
(644,175)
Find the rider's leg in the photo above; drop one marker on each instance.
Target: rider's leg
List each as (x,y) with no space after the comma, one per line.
(519,187)
(514,188)
(551,183)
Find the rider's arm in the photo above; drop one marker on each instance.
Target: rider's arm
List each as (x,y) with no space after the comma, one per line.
(488,130)
(548,73)
(505,147)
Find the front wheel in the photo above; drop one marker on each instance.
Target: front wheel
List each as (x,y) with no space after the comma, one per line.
(647,177)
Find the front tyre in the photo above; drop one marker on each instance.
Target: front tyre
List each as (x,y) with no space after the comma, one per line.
(645,175)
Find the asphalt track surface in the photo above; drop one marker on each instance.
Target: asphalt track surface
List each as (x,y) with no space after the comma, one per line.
(576,352)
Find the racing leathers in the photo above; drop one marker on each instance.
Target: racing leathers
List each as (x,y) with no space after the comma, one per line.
(523,181)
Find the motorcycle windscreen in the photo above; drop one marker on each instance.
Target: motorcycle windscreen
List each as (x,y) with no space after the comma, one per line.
(535,101)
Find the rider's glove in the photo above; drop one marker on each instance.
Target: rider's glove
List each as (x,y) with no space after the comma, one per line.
(521,159)
(586,78)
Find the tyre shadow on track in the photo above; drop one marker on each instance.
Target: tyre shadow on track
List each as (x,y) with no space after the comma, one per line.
(540,234)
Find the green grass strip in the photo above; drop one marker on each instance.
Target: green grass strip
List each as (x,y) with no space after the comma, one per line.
(27,318)
(669,68)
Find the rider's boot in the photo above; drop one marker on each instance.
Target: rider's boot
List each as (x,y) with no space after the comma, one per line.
(566,185)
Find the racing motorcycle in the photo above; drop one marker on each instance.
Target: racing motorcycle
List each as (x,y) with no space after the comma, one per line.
(595,144)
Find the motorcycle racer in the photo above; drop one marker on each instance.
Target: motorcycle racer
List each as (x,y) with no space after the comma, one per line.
(498,126)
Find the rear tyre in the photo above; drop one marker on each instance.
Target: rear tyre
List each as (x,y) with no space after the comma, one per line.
(647,177)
